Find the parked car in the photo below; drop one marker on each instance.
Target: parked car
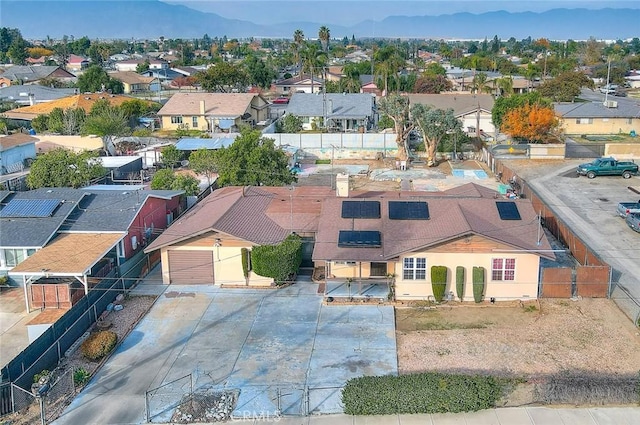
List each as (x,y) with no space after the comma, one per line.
(608,167)
(626,208)
(609,88)
(633,221)
(281,101)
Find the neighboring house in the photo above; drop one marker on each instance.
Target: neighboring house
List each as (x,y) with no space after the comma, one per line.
(66,237)
(343,112)
(473,110)
(77,63)
(164,74)
(36,61)
(132,64)
(363,237)
(214,112)
(16,151)
(299,84)
(614,116)
(633,79)
(216,141)
(134,82)
(33,94)
(368,85)
(23,74)
(84,101)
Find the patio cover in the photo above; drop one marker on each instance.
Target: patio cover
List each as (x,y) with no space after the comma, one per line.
(68,255)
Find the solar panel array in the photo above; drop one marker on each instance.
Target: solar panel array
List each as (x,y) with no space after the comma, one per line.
(408,210)
(359,239)
(360,209)
(508,210)
(28,208)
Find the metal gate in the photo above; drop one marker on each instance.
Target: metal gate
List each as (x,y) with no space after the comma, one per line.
(577,150)
(6,405)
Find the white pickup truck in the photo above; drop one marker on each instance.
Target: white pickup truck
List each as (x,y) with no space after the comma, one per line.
(626,208)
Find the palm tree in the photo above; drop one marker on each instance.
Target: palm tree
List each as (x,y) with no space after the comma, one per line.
(388,61)
(298,39)
(479,83)
(313,59)
(324,35)
(504,85)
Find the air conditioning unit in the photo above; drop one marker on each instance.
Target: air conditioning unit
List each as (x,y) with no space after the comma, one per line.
(611,104)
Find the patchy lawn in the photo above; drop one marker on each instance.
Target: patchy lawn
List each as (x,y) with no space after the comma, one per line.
(590,334)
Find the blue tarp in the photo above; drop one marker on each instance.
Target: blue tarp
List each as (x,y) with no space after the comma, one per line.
(193,144)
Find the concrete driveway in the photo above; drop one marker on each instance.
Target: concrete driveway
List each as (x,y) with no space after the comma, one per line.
(262,342)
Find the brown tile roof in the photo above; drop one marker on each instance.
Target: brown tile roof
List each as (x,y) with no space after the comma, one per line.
(266,215)
(216,104)
(451,217)
(262,215)
(69,254)
(17,139)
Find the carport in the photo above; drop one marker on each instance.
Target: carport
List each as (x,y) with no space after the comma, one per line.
(69,255)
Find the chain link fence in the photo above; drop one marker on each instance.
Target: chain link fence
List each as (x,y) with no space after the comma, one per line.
(160,402)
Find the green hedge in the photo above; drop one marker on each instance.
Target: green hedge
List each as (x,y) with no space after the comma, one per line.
(278,261)
(421,393)
(478,284)
(438,282)
(460,282)
(244,252)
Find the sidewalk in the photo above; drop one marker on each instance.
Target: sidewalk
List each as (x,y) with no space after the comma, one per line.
(504,416)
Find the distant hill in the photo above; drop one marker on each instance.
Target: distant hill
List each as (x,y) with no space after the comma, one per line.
(152,19)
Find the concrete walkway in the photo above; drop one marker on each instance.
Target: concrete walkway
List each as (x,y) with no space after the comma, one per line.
(506,416)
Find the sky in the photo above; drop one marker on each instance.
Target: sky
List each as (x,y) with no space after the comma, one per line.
(354,11)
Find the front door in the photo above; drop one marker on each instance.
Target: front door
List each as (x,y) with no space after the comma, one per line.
(378,270)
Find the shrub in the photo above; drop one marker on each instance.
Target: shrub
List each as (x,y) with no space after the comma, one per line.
(278,261)
(478,284)
(244,252)
(142,132)
(438,282)
(80,376)
(99,344)
(460,282)
(585,387)
(421,393)
(41,375)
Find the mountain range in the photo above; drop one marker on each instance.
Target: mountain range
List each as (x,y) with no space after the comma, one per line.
(152,18)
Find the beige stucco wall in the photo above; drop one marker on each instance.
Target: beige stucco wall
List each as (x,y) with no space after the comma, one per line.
(546,151)
(602,126)
(524,287)
(75,143)
(622,150)
(188,120)
(227,261)
(359,269)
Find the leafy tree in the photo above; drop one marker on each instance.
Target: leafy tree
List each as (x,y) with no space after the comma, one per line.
(143,66)
(396,108)
(531,122)
(108,122)
(290,123)
(313,60)
(187,183)
(566,86)
(204,161)
(504,104)
(258,71)
(434,124)
(40,123)
(479,83)
(434,69)
(38,52)
(253,160)
(96,79)
(64,168)
(432,84)
(222,77)
(136,108)
(171,156)
(18,51)
(163,179)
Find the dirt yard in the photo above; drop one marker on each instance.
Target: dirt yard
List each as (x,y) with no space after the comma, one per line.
(561,335)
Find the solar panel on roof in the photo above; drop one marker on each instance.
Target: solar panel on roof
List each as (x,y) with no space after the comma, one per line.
(30,208)
(359,239)
(408,210)
(360,209)
(508,210)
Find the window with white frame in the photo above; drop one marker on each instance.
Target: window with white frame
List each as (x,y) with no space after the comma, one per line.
(584,121)
(176,120)
(414,268)
(194,122)
(13,257)
(503,269)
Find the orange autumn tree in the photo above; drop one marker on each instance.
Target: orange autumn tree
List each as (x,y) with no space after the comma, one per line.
(535,123)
